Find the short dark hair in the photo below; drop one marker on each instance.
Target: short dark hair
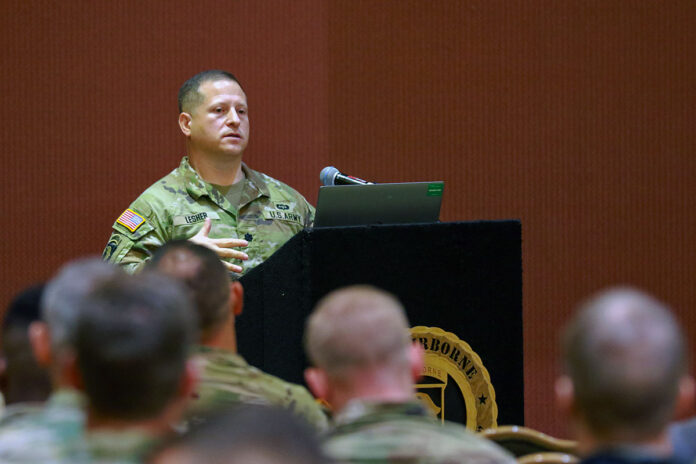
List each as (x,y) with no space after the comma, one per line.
(132,342)
(23,379)
(201,270)
(625,354)
(189,94)
(248,433)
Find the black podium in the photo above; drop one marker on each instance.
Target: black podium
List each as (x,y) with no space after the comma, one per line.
(463,277)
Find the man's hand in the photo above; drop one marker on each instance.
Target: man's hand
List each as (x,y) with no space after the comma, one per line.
(221,246)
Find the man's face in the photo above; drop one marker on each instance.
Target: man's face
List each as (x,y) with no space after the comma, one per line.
(220,124)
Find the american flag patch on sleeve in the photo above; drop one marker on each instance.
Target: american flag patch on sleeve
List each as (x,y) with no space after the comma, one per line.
(131,219)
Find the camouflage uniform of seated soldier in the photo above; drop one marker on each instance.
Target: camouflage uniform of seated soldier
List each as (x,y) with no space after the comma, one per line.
(225,377)
(371,387)
(31,433)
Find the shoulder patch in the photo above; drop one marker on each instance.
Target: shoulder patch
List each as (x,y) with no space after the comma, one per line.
(131,220)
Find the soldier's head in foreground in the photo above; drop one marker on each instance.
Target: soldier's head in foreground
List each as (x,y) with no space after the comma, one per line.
(132,342)
(345,366)
(53,338)
(247,434)
(21,377)
(217,300)
(625,367)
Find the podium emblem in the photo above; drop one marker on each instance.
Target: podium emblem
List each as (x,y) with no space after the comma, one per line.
(455,384)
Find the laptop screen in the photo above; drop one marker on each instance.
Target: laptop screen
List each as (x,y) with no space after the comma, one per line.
(398,203)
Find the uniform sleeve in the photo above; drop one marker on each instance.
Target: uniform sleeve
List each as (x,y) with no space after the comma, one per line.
(307,209)
(136,235)
(309,221)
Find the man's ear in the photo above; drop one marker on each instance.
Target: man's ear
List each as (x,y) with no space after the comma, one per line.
(317,381)
(71,372)
(189,380)
(236,298)
(565,395)
(685,398)
(185,123)
(40,338)
(417,360)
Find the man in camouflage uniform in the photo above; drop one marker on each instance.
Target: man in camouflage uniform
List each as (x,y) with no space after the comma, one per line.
(212,198)
(370,385)
(132,343)
(625,377)
(29,432)
(225,377)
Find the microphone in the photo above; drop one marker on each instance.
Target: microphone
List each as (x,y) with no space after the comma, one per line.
(331,176)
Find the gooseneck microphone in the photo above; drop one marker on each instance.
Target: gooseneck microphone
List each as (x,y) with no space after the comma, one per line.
(332,176)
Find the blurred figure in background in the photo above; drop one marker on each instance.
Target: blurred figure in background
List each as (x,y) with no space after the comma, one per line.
(40,434)
(625,376)
(132,343)
(225,377)
(371,385)
(247,434)
(22,380)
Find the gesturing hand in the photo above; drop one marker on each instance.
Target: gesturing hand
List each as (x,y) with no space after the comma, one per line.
(221,246)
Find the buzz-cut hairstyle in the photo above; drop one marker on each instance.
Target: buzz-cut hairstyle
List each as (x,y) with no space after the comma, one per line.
(189,94)
(625,354)
(342,321)
(132,344)
(201,270)
(63,294)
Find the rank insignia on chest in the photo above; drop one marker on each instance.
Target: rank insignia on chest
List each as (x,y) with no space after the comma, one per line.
(131,220)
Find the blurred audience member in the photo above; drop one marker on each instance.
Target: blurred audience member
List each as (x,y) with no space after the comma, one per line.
(366,365)
(132,343)
(225,377)
(625,376)
(40,434)
(22,380)
(248,434)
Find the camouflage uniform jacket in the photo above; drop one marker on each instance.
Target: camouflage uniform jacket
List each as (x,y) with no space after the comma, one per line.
(405,432)
(31,433)
(175,207)
(226,379)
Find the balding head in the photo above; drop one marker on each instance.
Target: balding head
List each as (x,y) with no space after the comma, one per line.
(345,319)
(625,355)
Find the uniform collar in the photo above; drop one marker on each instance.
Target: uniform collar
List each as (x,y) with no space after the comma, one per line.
(359,408)
(197,187)
(256,179)
(210,353)
(67,398)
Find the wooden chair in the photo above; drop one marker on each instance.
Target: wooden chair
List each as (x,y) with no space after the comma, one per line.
(523,441)
(548,458)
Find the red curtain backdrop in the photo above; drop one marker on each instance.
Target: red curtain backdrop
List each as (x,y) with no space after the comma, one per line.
(575,117)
